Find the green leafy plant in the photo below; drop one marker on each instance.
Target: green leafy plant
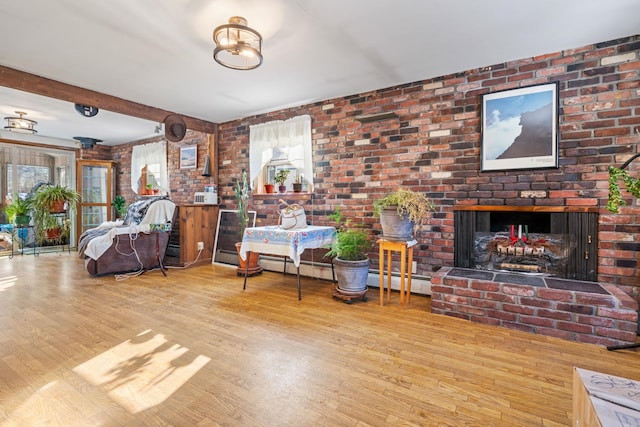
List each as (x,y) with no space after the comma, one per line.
(417,206)
(19,207)
(120,205)
(352,241)
(281,176)
(242,193)
(632,186)
(47,195)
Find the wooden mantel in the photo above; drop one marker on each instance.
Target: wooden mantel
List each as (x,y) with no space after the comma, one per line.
(502,208)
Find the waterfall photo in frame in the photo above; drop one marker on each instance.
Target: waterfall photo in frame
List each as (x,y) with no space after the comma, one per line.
(520,128)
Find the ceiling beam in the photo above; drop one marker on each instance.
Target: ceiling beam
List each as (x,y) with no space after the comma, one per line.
(32,83)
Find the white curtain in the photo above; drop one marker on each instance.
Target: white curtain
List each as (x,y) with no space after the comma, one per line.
(154,154)
(292,137)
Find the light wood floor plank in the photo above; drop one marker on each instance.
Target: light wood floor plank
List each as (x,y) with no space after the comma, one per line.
(191,348)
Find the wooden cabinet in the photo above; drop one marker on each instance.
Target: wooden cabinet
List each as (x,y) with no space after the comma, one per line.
(194,223)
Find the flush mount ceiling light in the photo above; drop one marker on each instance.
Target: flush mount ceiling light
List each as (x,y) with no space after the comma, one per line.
(86,141)
(20,124)
(237,46)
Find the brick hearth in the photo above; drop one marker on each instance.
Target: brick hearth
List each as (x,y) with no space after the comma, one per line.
(589,312)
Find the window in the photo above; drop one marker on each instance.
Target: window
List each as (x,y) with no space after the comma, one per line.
(281,145)
(149,160)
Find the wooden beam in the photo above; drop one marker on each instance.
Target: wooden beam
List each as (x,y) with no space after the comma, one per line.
(32,83)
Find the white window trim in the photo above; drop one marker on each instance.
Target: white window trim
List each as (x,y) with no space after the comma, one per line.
(292,136)
(150,154)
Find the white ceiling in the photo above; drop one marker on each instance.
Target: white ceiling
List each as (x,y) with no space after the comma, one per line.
(159,52)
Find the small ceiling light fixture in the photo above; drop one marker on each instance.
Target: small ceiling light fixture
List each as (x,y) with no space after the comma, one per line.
(237,46)
(86,141)
(20,124)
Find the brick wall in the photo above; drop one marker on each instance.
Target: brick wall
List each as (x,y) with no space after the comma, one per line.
(434,146)
(608,318)
(183,182)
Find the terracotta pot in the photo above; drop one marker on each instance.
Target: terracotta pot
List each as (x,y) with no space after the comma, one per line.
(269,188)
(57,206)
(254,263)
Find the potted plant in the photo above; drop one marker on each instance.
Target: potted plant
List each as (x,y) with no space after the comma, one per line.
(242,193)
(120,205)
(18,211)
(50,204)
(281,178)
(400,212)
(349,253)
(269,188)
(55,199)
(297,183)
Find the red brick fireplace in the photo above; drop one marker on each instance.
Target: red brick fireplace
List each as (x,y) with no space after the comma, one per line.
(534,269)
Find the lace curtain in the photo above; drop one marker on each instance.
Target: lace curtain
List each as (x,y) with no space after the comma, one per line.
(292,137)
(154,156)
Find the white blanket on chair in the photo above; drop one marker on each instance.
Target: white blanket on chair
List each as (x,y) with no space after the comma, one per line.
(160,212)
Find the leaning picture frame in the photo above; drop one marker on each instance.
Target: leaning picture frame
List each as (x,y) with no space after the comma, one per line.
(189,157)
(520,128)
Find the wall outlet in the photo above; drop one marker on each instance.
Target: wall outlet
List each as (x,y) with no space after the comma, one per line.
(200,246)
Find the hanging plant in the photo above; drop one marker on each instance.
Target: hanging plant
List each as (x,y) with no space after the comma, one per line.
(632,186)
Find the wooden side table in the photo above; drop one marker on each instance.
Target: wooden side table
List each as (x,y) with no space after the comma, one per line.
(406,258)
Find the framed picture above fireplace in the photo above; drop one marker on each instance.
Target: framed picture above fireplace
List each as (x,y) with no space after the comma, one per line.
(520,128)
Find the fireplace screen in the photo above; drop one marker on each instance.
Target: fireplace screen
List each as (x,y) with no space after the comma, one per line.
(557,244)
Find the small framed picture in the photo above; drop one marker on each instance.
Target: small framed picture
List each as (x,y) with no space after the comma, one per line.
(520,128)
(189,157)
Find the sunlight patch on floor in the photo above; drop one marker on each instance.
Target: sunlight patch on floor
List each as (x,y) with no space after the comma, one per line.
(7,282)
(142,372)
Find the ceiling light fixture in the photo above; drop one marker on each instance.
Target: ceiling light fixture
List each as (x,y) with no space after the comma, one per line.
(86,141)
(20,124)
(237,46)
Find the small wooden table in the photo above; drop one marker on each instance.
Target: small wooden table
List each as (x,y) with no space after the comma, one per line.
(406,258)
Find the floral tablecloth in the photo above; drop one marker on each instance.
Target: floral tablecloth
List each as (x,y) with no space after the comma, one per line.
(292,243)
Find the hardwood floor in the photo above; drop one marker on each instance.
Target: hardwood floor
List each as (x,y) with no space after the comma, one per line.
(192,349)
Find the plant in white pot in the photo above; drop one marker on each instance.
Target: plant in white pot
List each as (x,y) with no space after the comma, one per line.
(349,253)
(400,212)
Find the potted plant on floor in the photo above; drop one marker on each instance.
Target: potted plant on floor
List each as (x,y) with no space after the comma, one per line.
(281,178)
(120,205)
(400,212)
(350,259)
(242,193)
(18,211)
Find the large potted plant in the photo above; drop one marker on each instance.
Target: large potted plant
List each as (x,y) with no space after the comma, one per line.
(350,259)
(18,211)
(242,193)
(50,203)
(55,198)
(400,212)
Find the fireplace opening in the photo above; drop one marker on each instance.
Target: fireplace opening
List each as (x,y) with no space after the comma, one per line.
(556,242)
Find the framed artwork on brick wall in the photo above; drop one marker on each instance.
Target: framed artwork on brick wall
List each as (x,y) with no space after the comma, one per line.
(189,157)
(520,128)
